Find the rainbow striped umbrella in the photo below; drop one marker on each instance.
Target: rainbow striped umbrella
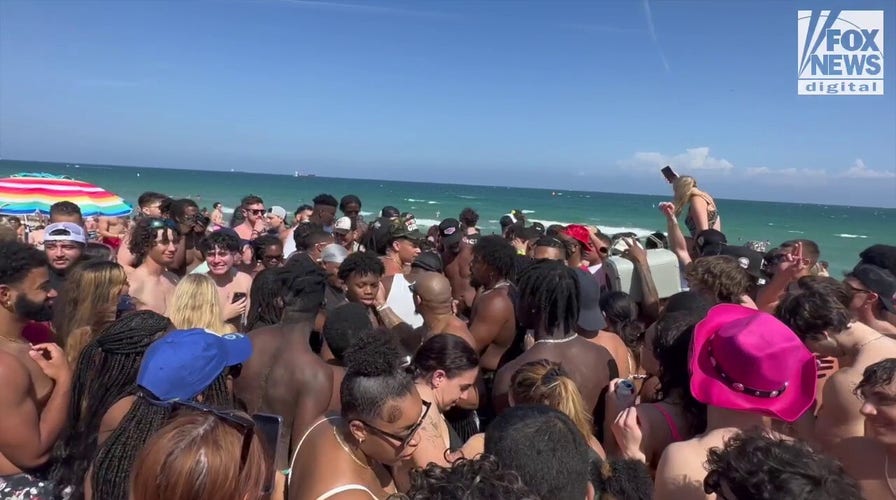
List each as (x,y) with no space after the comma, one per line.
(31,193)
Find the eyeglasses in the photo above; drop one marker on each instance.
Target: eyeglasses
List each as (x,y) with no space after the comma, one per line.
(406,439)
(857,290)
(236,419)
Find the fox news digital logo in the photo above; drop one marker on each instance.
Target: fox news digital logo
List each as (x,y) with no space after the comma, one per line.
(841,52)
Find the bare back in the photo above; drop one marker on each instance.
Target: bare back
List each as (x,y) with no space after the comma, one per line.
(613,343)
(285,377)
(457,270)
(590,366)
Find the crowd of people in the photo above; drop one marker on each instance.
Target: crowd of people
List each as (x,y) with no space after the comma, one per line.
(140,355)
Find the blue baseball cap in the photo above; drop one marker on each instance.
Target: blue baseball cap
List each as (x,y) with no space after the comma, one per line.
(183,363)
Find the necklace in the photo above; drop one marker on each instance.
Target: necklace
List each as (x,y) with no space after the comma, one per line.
(863,344)
(497,285)
(347,449)
(14,341)
(557,341)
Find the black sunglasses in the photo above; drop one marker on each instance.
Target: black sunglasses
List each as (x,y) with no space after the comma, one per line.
(406,439)
(236,419)
(255,211)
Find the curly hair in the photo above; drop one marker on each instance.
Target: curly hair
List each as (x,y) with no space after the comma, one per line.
(812,313)
(721,276)
(144,234)
(17,260)
(497,254)
(478,479)
(758,466)
(260,244)
(374,378)
(826,285)
(468,217)
(622,479)
(362,264)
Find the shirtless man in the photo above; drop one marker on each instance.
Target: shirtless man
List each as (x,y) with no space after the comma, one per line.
(253,224)
(547,295)
(217,216)
(432,296)
(457,254)
(866,458)
(150,204)
(284,376)
(874,292)
(64,244)
(221,252)
(111,230)
(185,213)
(826,326)
(324,211)
(492,319)
(153,243)
(36,378)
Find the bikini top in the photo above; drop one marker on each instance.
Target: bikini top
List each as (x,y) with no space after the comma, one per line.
(712,216)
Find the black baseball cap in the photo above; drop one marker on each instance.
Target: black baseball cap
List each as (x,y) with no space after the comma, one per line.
(710,242)
(428,261)
(747,258)
(390,212)
(878,280)
(450,232)
(591,319)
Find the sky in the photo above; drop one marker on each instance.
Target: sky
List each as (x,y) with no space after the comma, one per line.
(591,95)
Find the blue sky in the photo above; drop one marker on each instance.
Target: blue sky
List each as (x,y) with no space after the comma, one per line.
(587,94)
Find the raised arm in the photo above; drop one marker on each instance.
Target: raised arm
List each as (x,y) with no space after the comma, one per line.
(676,239)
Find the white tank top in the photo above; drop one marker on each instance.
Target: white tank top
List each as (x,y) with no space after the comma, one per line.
(401,301)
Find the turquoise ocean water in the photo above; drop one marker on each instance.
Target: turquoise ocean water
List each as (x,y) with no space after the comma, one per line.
(842,232)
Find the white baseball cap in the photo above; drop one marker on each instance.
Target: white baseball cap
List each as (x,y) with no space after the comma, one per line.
(65,231)
(343,225)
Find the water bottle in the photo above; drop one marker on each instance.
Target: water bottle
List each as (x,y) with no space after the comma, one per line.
(625,388)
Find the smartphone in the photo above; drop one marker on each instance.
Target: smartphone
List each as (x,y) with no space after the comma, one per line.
(269,429)
(669,174)
(237,296)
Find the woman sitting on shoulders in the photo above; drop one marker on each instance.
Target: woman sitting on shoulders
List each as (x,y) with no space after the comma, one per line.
(702,211)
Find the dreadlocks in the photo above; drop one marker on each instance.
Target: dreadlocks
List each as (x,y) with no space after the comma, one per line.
(550,290)
(497,254)
(112,468)
(106,369)
(265,306)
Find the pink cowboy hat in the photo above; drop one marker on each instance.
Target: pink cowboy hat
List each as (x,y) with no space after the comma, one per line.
(746,360)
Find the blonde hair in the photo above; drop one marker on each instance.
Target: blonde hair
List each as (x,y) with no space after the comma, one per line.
(547,383)
(684,187)
(196,304)
(197,456)
(87,304)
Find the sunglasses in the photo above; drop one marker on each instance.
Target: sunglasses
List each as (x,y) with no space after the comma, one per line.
(236,419)
(406,439)
(255,211)
(156,223)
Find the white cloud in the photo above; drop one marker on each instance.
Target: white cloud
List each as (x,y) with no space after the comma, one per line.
(859,171)
(785,172)
(692,159)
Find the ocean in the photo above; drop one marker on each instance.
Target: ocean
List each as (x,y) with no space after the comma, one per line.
(842,232)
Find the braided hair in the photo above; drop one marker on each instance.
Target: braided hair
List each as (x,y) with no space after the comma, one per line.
(265,306)
(106,370)
(549,290)
(112,467)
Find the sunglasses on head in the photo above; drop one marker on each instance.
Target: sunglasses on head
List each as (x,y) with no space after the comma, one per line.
(406,439)
(156,223)
(236,419)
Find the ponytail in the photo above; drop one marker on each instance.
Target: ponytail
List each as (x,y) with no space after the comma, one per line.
(546,382)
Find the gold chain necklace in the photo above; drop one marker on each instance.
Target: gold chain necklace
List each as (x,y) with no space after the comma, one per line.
(14,341)
(347,449)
